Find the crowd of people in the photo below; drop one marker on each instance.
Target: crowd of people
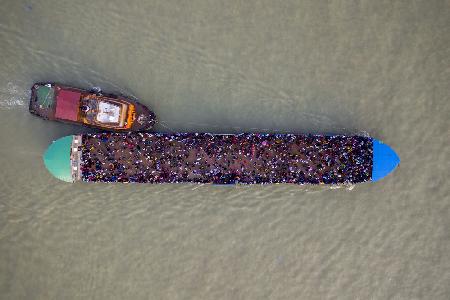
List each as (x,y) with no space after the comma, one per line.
(225,159)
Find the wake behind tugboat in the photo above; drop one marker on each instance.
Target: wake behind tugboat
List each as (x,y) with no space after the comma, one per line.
(219,159)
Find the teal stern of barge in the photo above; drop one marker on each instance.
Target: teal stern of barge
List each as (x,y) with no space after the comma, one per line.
(62,158)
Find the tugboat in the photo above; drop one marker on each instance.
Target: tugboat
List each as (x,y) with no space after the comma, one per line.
(95,109)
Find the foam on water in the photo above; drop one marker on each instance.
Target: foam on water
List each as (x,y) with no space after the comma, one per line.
(13,96)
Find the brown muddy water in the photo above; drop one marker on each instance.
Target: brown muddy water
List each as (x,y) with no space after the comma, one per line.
(374,67)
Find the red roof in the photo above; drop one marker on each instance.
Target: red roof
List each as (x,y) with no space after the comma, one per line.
(67,104)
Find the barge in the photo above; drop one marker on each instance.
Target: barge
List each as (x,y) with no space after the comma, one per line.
(110,112)
(247,158)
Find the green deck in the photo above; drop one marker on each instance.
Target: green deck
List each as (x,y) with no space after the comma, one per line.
(45,96)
